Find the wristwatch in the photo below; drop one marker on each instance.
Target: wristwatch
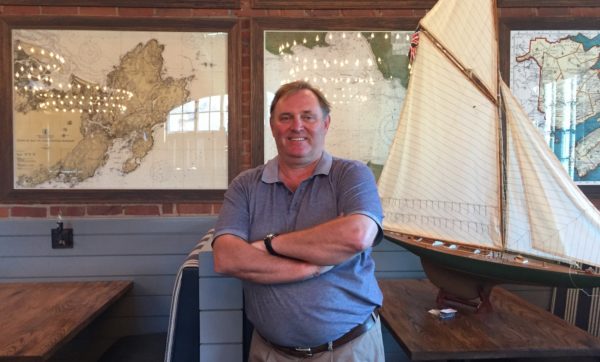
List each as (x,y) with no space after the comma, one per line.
(268,239)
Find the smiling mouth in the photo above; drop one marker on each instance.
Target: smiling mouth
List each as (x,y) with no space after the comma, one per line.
(297,139)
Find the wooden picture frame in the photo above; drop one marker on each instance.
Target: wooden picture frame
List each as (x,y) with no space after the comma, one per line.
(548,30)
(261,25)
(198,4)
(13,192)
(343,4)
(405,4)
(546,3)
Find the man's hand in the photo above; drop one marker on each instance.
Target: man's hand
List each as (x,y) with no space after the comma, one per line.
(260,245)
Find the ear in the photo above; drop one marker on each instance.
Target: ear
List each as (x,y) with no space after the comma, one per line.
(327,121)
(271,125)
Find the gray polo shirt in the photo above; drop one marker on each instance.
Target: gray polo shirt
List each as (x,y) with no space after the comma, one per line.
(321,309)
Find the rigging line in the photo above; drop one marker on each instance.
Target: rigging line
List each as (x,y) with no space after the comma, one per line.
(580,289)
(574,285)
(467,72)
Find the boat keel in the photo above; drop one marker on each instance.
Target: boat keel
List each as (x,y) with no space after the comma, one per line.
(459,288)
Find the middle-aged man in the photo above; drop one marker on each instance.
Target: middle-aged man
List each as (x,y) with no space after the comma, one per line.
(298,231)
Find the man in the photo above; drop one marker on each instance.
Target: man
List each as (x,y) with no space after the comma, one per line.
(298,231)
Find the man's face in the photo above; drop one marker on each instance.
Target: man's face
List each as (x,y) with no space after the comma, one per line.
(298,128)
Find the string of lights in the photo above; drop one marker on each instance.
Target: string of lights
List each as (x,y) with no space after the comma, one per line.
(349,85)
(34,78)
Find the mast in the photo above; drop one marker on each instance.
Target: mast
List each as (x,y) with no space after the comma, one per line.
(502,147)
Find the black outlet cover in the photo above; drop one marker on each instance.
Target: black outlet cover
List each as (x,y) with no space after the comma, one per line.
(62,238)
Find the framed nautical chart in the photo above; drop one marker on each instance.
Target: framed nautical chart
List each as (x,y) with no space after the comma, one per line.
(362,69)
(130,113)
(552,66)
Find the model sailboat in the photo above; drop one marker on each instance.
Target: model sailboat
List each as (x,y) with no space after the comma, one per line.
(470,185)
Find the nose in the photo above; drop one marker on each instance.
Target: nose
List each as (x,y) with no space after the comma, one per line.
(297,123)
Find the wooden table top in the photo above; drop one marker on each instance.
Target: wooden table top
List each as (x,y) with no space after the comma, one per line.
(515,328)
(38,318)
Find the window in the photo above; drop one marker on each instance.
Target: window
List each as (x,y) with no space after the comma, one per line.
(204,115)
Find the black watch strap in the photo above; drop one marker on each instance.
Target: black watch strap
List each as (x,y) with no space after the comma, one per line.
(268,239)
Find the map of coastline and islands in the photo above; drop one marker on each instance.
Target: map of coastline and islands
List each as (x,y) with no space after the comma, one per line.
(564,67)
(363,74)
(74,133)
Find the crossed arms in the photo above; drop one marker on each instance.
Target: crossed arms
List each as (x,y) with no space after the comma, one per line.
(307,252)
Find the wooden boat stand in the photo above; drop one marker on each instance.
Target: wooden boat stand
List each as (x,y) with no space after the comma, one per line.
(484,305)
(467,290)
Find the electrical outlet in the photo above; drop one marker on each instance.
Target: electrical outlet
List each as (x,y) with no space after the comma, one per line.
(62,238)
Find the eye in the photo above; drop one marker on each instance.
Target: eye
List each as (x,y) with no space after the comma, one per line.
(308,118)
(285,118)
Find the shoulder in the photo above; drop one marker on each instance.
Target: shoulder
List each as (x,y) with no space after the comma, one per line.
(345,167)
(250,174)
(247,179)
(345,163)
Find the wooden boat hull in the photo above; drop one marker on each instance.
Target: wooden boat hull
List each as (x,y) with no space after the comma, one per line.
(501,269)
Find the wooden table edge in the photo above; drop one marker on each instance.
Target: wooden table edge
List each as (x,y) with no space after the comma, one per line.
(124,287)
(121,288)
(444,355)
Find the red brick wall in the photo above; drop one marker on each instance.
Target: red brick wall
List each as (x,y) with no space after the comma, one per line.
(245,14)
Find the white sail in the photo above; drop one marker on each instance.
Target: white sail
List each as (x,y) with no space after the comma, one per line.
(442,176)
(547,214)
(441,179)
(468,167)
(459,24)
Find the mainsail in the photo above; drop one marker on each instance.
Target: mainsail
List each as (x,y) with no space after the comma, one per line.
(451,176)
(441,179)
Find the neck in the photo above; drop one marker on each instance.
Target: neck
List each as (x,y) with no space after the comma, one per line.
(293,175)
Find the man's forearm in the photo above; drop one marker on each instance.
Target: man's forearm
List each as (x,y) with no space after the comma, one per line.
(234,256)
(330,243)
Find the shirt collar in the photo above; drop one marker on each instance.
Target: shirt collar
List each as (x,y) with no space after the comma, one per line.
(271,171)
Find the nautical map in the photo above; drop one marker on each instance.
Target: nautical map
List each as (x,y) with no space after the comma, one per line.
(556,77)
(119,109)
(364,76)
